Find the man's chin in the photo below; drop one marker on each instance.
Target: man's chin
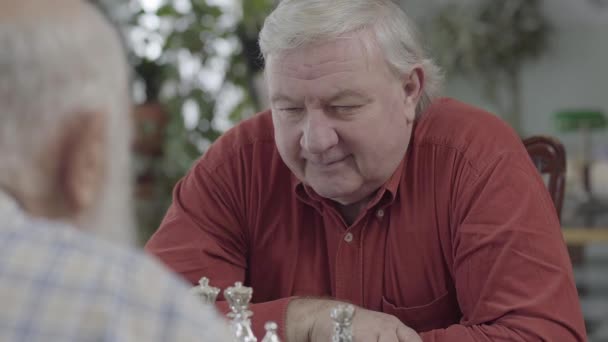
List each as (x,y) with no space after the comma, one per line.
(341,196)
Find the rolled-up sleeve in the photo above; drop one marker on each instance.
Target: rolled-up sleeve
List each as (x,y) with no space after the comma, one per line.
(203,234)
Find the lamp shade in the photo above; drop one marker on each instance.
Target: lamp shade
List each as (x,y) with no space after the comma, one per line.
(573,120)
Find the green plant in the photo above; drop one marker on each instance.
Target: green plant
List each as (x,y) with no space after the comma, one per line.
(177,49)
(492,40)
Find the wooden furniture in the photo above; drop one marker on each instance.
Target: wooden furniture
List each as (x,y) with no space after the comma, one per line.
(549,157)
(578,236)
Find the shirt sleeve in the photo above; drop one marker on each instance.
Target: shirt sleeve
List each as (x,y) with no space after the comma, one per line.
(162,309)
(511,268)
(204,234)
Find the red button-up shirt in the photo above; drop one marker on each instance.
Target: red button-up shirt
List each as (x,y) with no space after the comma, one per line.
(462,243)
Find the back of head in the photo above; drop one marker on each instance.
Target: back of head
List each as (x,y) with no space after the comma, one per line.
(297,23)
(60,59)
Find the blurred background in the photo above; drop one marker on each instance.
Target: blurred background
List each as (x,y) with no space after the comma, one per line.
(540,65)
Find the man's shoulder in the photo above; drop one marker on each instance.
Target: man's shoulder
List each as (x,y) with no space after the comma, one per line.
(48,260)
(475,133)
(254,135)
(54,242)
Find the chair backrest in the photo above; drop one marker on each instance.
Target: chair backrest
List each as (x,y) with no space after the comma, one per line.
(549,157)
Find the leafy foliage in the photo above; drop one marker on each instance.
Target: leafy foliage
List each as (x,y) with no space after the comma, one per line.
(192,57)
(491,36)
(491,40)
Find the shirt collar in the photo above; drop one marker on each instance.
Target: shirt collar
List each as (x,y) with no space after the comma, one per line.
(10,212)
(392,185)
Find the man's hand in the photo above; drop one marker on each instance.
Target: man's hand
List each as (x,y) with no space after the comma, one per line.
(309,320)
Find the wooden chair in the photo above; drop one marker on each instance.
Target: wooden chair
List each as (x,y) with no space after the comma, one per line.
(549,157)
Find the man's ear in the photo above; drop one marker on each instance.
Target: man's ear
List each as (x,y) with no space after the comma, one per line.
(83,160)
(413,85)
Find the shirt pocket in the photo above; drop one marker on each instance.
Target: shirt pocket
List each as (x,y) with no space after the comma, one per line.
(439,313)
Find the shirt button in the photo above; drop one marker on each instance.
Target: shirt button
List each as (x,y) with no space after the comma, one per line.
(380,213)
(348,237)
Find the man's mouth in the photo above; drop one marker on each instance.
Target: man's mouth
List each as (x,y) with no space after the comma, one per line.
(327,163)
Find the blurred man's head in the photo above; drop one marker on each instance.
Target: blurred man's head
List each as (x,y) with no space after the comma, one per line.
(64,115)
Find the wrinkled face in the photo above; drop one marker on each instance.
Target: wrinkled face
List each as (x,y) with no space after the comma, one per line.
(342,119)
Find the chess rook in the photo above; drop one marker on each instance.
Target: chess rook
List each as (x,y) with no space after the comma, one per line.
(207,293)
(342,315)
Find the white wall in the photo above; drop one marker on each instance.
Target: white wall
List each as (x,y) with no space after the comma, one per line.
(572,74)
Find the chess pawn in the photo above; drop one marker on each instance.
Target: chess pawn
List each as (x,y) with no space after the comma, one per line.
(238,297)
(271,332)
(207,293)
(342,315)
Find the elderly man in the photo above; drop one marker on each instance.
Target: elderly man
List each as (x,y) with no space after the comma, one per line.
(64,152)
(361,186)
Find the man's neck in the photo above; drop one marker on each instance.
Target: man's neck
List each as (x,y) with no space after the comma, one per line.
(350,212)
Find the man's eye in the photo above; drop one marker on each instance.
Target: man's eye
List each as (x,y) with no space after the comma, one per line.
(345,108)
(292,110)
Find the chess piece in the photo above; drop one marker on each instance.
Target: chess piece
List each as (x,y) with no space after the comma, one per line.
(342,315)
(238,297)
(207,293)
(271,332)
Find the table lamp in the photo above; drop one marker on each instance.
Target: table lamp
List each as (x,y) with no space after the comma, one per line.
(584,122)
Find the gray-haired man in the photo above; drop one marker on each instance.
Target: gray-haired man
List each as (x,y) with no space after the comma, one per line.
(360,185)
(64,176)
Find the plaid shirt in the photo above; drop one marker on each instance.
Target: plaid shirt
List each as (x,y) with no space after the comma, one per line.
(58,284)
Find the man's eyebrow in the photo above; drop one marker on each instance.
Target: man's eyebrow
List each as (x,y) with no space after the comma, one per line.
(336,97)
(281,98)
(347,93)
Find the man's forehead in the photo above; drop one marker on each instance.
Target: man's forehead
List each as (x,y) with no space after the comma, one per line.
(32,9)
(347,53)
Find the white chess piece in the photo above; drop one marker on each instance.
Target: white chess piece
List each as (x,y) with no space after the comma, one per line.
(238,297)
(342,315)
(207,293)
(271,332)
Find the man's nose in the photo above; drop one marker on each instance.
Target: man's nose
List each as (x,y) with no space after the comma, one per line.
(319,135)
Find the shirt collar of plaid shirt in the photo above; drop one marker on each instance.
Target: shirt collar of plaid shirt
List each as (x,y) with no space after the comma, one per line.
(10,211)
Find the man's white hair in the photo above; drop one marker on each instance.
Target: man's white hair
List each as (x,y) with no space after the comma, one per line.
(58,59)
(296,23)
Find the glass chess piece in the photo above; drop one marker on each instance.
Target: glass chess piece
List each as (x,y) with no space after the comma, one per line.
(207,293)
(342,315)
(238,297)
(271,332)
